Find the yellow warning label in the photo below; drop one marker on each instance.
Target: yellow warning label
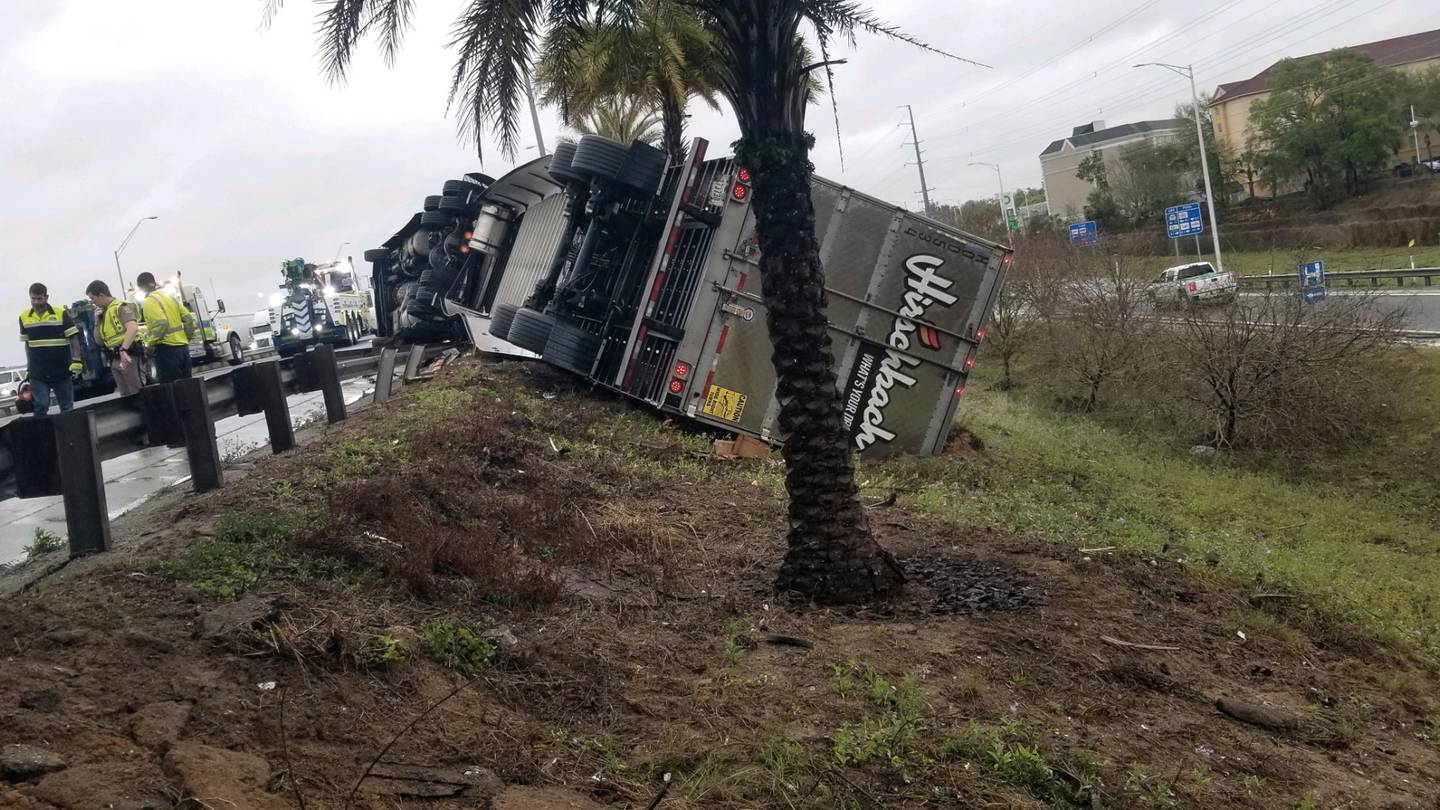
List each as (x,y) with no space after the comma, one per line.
(724,403)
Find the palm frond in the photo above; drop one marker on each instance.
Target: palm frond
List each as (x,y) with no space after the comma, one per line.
(393,20)
(340,27)
(844,17)
(493,43)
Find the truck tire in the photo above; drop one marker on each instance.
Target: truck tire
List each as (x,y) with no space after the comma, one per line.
(237,351)
(500,319)
(457,188)
(432,202)
(644,169)
(560,162)
(531,329)
(377,255)
(599,157)
(572,348)
(454,204)
(435,219)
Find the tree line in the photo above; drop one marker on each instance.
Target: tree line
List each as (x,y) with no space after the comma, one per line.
(1330,126)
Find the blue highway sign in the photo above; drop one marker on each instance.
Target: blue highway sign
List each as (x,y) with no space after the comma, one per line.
(1184,220)
(1084,233)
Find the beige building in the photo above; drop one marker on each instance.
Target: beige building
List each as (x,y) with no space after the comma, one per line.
(1230,106)
(1061,159)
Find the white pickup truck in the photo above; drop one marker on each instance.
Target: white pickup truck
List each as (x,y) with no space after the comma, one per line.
(1194,284)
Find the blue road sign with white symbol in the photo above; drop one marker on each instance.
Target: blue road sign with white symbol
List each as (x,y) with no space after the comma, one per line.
(1184,220)
(1084,233)
(1312,281)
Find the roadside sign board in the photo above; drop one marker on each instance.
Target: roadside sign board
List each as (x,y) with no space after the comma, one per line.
(1084,233)
(1014,225)
(1312,281)
(1184,220)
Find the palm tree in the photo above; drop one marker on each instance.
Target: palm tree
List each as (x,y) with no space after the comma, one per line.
(831,554)
(623,119)
(662,55)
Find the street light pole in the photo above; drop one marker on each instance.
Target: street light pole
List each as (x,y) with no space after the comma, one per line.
(1188,71)
(535,118)
(121,249)
(1004,219)
(1415,133)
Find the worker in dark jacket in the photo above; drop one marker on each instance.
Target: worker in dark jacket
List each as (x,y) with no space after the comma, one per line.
(52,350)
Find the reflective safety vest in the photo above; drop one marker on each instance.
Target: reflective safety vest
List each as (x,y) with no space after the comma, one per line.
(46,336)
(111,330)
(165,320)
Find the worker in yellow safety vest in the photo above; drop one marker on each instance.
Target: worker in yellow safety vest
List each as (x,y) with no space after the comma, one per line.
(168,327)
(117,330)
(52,351)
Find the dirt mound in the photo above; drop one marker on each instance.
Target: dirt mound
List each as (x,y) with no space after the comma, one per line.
(493,587)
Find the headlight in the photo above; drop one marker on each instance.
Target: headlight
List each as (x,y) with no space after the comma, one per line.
(295,332)
(277,299)
(319,329)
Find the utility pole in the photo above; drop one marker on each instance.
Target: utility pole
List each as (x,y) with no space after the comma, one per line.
(1188,71)
(919,162)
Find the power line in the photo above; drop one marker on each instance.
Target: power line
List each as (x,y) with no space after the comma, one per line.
(1052,60)
(1148,90)
(1134,99)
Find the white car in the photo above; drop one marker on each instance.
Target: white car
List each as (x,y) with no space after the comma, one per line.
(1193,284)
(10,380)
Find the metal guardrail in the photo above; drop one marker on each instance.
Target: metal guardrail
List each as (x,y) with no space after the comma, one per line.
(1347,276)
(62,454)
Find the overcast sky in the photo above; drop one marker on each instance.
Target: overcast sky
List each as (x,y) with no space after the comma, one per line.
(189,111)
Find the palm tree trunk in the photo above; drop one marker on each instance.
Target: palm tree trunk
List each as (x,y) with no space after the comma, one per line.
(831,555)
(672,118)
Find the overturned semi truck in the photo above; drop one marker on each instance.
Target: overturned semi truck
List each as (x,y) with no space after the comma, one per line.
(645,279)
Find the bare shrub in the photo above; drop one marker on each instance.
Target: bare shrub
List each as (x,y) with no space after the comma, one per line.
(1090,316)
(1274,371)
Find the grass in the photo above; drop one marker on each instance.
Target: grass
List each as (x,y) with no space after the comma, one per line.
(246,551)
(1072,481)
(44,542)
(451,643)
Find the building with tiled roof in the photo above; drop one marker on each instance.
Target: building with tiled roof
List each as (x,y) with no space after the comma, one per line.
(1061,159)
(1230,105)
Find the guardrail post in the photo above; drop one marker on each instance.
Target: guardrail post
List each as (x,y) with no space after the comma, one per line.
(87,515)
(385,375)
(259,389)
(412,363)
(327,374)
(270,391)
(33,457)
(162,423)
(200,446)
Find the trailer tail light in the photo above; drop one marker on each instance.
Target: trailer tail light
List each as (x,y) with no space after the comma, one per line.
(1005,262)
(1190,286)
(970,361)
(677,385)
(959,391)
(464,247)
(743,175)
(682,369)
(740,193)
(979,334)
